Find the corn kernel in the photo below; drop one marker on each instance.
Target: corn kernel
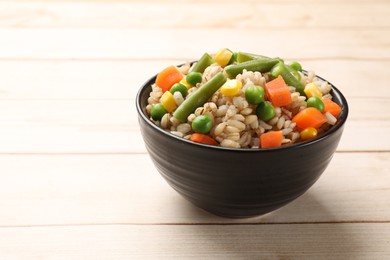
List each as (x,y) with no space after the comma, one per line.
(231,88)
(312,90)
(185,83)
(308,133)
(168,101)
(223,56)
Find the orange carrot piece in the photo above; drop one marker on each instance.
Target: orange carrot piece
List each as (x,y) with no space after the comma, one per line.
(167,77)
(331,107)
(202,138)
(271,139)
(278,92)
(309,117)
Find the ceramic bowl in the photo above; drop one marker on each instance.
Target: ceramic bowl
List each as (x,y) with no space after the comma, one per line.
(238,183)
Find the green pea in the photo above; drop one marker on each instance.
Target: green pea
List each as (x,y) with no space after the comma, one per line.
(254,94)
(194,77)
(265,111)
(202,124)
(316,102)
(158,111)
(179,87)
(295,66)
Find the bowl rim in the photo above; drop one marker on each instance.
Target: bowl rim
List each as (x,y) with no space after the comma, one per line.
(340,123)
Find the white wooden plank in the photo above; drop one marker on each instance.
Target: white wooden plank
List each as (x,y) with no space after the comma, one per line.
(142,14)
(122,79)
(357,2)
(167,43)
(115,189)
(76,80)
(56,58)
(327,241)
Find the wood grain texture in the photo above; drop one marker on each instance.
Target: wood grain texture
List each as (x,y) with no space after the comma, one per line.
(75,179)
(335,241)
(135,43)
(137,14)
(127,189)
(107,80)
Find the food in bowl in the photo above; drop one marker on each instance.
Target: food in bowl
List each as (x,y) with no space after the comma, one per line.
(234,182)
(242,100)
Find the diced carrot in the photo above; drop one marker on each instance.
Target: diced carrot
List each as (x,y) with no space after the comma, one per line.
(331,107)
(271,139)
(309,117)
(167,77)
(278,92)
(202,138)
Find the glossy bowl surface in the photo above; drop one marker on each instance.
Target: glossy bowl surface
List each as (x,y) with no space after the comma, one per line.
(238,183)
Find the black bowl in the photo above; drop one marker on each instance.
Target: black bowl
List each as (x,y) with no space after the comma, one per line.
(238,183)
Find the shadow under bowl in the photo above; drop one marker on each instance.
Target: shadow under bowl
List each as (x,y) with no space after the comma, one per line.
(238,183)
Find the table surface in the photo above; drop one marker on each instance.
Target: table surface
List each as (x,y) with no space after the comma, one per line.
(76,181)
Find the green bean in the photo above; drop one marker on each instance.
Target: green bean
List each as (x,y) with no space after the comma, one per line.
(233,59)
(295,66)
(276,70)
(244,56)
(204,61)
(251,65)
(294,72)
(290,79)
(199,97)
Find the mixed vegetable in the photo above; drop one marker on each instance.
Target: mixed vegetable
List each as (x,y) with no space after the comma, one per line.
(242,100)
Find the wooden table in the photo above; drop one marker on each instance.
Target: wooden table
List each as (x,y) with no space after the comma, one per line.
(76,181)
